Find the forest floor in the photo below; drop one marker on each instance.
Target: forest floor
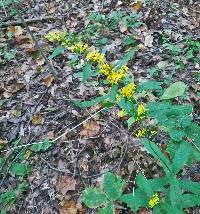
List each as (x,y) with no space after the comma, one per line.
(35,104)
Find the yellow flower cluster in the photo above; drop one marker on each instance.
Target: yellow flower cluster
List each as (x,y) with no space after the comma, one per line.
(154,200)
(104,68)
(115,77)
(121,113)
(141,111)
(129,90)
(56,36)
(79,48)
(140,133)
(95,56)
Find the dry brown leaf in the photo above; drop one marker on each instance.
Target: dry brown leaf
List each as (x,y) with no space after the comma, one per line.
(50,7)
(68,207)
(50,135)
(16,30)
(65,184)
(122,26)
(3,142)
(137,6)
(7,94)
(144,211)
(47,81)
(40,61)
(37,119)
(90,129)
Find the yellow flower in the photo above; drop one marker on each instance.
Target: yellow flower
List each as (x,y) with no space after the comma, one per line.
(95,56)
(154,200)
(121,113)
(79,48)
(140,133)
(129,90)
(56,36)
(114,77)
(124,69)
(104,68)
(141,111)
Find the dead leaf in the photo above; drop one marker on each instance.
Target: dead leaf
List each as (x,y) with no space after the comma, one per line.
(90,129)
(40,61)
(3,142)
(148,41)
(68,207)
(84,164)
(7,94)
(50,7)
(37,119)
(16,30)
(50,135)
(65,184)
(144,211)
(137,6)
(122,26)
(47,81)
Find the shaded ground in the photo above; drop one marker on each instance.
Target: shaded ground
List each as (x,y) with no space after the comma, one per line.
(35,105)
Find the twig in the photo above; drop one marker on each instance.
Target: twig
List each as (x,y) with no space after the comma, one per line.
(51,68)
(28,21)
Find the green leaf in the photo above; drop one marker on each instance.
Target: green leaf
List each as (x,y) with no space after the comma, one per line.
(56,52)
(190,200)
(7,198)
(130,121)
(113,92)
(175,193)
(85,104)
(87,72)
(41,146)
(143,183)
(19,169)
(109,209)
(125,59)
(93,197)
(113,186)
(181,157)
(156,152)
(157,184)
(150,85)
(190,186)
(175,90)
(135,202)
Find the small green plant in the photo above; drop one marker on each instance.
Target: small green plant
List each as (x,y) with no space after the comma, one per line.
(166,194)
(8,198)
(6,52)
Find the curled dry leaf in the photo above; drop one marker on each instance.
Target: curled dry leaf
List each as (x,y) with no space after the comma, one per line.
(47,81)
(37,119)
(65,184)
(90,129)
(137,6)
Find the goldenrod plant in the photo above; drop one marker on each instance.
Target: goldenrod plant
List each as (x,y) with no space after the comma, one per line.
(167,194)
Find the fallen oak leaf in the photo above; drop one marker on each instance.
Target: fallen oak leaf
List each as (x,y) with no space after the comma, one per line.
(47,81)
(65,184)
